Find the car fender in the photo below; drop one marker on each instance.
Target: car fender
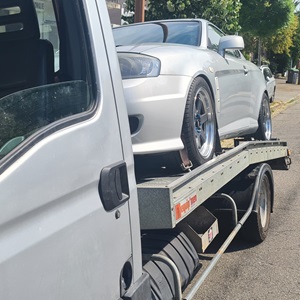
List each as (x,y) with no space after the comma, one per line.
(197,62)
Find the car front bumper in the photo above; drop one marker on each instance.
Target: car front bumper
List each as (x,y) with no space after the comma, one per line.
(156,105)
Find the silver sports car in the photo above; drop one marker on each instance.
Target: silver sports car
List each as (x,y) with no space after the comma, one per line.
(187,86)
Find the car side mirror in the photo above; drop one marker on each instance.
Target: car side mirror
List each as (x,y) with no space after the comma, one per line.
(230,42)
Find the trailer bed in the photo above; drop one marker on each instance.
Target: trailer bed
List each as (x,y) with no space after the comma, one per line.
(164,201)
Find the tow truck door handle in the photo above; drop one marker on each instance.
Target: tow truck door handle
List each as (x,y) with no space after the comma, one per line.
(113,185)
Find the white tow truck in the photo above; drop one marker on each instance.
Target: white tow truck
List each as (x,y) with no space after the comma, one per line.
(77,221)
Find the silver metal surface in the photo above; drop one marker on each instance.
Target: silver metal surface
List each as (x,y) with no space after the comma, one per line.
(204,123)
(165,201)
(175,272)
(227,242)
(263,205)
(236,84)
(231,203)
(267,123)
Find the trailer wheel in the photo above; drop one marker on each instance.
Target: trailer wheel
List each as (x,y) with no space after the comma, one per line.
(256,227)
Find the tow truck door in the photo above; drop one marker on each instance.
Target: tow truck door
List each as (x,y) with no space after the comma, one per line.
(66,168)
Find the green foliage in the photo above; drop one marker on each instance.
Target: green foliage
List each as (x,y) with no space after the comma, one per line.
(250,43)
(271,23)
(282,41)
(263,18)
(295,48)
(224,13)
(279,63)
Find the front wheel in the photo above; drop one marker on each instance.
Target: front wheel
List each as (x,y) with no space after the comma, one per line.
(199,124)
(273,97)
(264,131)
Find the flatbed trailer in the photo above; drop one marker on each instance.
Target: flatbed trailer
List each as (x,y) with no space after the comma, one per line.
(166,200)
(179,202)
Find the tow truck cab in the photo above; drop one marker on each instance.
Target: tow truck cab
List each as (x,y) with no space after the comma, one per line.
(69,215)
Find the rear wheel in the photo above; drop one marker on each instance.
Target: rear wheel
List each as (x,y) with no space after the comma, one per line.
(241,189)
(199,124)
(256,227)
(264,131)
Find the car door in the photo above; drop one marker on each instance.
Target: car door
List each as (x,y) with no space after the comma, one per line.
(270,81)
(234,88)
(65,231)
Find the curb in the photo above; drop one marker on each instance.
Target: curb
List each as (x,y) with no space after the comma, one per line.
(279,106)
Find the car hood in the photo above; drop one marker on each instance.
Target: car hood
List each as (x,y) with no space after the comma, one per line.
(142,48)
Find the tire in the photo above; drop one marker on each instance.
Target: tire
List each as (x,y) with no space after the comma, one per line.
(178,248)
(199,124)
(273,97)
(256,226)
(264,131)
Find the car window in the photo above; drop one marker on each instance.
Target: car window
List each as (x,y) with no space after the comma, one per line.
(213,36)
(267,73)
(38,93)
(235,53)
(131,35)
(213,40)
(187,33)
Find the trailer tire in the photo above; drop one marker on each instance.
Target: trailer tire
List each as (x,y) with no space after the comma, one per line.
(256,226)
(176,247)
(241,190)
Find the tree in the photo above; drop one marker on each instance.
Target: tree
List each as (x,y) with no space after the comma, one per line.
(223,13)
(295,48)
(279,63)
(282,47)
(264,18)
(282,41)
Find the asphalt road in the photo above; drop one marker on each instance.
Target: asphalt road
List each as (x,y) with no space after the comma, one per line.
(270,270)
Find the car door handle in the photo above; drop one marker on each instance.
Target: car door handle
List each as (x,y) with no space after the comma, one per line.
(113,185)
(245,70)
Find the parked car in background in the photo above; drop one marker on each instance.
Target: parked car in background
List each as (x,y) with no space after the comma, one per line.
(270,82)
(187,86)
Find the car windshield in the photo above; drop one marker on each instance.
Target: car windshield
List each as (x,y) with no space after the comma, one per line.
(187,33)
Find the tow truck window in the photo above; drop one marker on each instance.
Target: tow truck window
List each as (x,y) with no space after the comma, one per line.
(48,27)
(45,80)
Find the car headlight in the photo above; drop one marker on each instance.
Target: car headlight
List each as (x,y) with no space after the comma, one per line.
(138,66)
